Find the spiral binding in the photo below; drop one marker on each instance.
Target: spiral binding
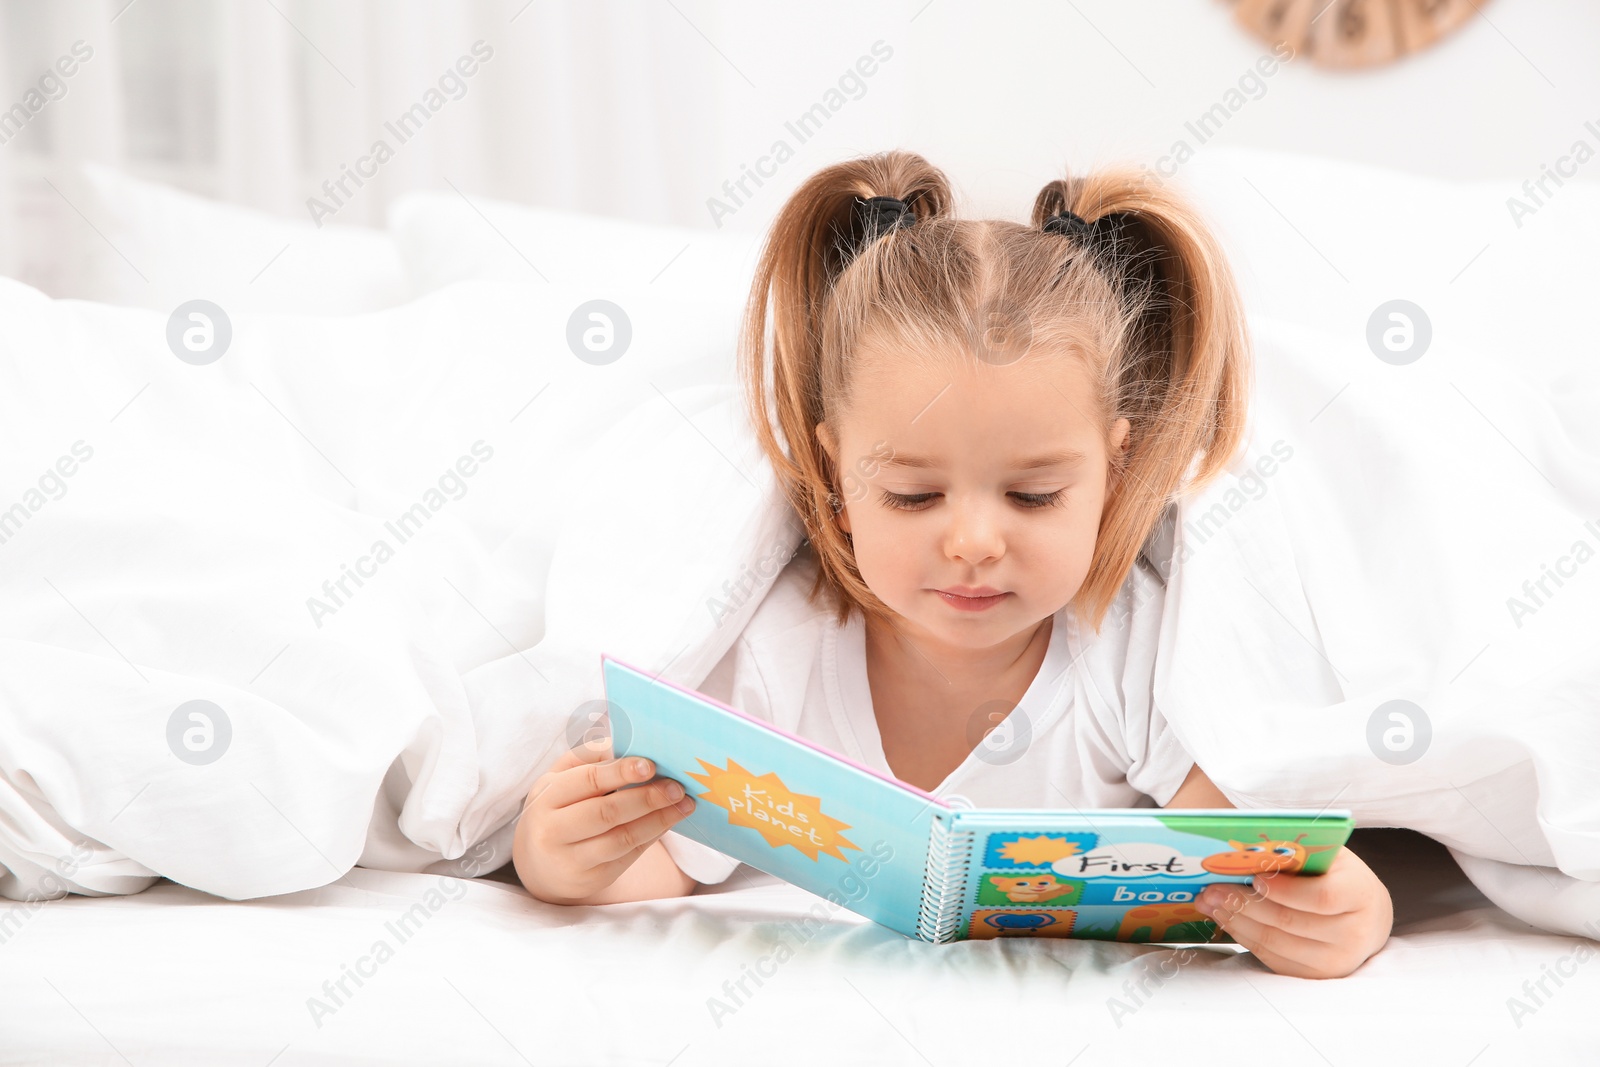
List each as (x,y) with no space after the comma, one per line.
(944,882)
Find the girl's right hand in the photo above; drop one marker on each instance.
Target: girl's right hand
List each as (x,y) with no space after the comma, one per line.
(581,829)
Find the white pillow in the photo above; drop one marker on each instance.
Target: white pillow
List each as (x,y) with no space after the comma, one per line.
(1318,242)
(444,239)
(1324,242)
(187,247)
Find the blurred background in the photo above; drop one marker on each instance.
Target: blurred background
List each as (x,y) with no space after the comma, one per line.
(694,113)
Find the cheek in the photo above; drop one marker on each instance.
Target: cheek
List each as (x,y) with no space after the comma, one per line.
(1063,548)
(1080,531)
(883,546)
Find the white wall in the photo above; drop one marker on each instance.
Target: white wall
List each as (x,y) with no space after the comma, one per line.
(1508,92)
(1004,96)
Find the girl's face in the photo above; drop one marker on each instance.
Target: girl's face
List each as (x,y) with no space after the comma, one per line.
(973,476)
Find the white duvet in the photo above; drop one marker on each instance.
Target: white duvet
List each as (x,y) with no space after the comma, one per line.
(208,545)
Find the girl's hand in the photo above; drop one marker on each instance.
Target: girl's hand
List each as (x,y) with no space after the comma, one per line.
(1322,926)
(581,830)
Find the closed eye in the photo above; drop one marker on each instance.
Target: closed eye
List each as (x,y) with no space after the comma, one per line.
(914,501)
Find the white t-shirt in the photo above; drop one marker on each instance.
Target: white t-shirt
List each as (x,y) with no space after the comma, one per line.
(1085,734)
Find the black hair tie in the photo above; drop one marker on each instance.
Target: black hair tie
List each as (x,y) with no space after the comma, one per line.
(1067,224)
(879,215)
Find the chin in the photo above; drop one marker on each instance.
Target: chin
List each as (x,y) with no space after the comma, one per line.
(974,628)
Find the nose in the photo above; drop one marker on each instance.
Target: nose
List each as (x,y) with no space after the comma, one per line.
(974,534)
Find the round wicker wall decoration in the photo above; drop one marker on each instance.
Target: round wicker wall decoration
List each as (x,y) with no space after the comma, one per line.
(1349,34)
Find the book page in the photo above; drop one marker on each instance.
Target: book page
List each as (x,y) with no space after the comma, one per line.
(780,803)
(1126,875)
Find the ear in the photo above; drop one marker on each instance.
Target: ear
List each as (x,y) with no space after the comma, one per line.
(1115,448)
(1119,436)
(1318,848)
(830,445)
(1237,846)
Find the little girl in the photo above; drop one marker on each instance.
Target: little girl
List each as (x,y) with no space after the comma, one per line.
(981,426)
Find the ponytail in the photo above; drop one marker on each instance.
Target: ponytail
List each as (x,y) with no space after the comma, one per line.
(820,231)
(1182,378)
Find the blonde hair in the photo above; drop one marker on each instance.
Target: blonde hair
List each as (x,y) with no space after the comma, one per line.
(1150,306)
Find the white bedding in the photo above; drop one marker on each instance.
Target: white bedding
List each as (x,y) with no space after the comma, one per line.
(490,976)
(154,247)
(190,557)
(176,563)
(181,562)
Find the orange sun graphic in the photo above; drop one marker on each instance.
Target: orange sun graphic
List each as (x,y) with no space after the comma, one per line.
(1041,849)
(764,804)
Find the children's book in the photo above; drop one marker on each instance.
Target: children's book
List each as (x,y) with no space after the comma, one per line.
(935,870)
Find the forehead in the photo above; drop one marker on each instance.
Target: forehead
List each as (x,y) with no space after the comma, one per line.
(935,411)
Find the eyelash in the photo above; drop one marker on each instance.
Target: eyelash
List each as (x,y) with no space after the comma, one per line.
(909,502)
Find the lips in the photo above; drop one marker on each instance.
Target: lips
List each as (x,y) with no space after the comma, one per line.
(971,591)
(970,603)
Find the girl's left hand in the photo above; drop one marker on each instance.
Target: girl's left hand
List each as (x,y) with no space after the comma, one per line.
(1321,926)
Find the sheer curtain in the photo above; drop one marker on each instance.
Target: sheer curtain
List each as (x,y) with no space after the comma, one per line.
(634,108)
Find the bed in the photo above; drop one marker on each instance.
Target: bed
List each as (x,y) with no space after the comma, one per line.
(310,898)
(484,974)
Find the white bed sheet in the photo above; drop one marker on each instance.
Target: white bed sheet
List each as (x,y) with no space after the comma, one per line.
(173,976)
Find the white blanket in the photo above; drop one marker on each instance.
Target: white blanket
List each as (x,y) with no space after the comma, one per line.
(624,508)
(195,552)
(1359,621)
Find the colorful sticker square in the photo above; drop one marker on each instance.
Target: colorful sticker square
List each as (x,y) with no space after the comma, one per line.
(988,923)
(1006,851)
(1165,922)
(1036,888)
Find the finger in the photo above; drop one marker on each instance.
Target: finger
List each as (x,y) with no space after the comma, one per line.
(620,840)
(1330,929)
(590,751)
(595,779)
(1283,965)
(1325,894)
(594,816)
(1285,952)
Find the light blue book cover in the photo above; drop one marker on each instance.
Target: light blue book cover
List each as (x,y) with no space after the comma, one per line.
(910,861)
